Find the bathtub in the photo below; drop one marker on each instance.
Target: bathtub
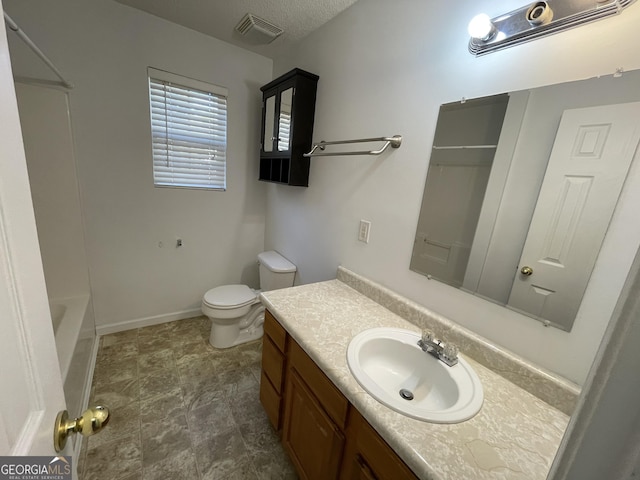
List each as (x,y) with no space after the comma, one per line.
(75,335)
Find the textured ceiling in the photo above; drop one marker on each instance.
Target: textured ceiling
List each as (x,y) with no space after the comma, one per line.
(218,18)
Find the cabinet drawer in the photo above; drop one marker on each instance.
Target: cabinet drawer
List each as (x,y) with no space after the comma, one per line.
(275,331)
(335,404)
(271,401)
(272,364)
(376,455)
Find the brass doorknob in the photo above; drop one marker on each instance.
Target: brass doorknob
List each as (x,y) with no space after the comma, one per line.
(526,271)
(92,421)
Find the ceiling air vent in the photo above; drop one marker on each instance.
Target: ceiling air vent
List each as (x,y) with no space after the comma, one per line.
(257,30)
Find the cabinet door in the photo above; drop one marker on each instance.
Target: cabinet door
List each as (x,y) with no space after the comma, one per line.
(310,438)
(283,138)
(269,122)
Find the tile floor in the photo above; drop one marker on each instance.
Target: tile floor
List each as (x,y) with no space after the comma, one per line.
(180,409)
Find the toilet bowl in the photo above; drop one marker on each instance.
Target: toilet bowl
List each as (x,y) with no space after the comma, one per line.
(236,314)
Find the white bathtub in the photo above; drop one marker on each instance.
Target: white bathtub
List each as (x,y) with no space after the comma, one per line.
(74,329)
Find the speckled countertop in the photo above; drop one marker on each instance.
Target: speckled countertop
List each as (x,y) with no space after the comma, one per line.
(514,436)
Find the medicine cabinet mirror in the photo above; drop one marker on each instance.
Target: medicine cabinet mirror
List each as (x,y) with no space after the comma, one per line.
(284,120)
(520,191)
(279,139)
(269,134)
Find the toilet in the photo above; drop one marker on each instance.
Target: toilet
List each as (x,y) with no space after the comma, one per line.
(236,314)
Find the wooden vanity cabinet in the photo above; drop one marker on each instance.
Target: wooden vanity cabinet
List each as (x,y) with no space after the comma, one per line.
(274,348)
(315,417)
(323,434)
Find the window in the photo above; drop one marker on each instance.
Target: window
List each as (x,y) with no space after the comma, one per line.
(189,132)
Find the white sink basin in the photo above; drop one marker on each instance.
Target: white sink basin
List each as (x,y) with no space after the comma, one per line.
(386,361)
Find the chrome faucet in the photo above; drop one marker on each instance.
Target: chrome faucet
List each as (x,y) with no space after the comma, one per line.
(447,353)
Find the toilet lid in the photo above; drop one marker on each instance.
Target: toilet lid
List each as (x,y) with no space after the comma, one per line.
(229,296)
(276,262)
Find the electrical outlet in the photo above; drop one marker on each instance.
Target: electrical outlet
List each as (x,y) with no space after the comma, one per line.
(363,232)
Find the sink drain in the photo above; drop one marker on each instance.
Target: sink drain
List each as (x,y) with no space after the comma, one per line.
(406,394)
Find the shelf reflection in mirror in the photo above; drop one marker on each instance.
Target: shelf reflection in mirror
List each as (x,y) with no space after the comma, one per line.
(486,170)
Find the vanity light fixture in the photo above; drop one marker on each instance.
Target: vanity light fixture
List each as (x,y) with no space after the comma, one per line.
(536,20)
(482,28)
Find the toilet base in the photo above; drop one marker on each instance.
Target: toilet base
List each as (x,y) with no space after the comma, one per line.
(227,336)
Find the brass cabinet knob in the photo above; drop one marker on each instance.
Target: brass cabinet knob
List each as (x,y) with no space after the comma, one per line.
(92,421)
(526,271)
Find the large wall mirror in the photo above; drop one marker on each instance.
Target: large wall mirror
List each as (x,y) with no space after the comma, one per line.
(520,191)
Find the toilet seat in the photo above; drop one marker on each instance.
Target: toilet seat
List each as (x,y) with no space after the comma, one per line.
(229,297)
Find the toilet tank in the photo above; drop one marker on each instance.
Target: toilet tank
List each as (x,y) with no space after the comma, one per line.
(275,271)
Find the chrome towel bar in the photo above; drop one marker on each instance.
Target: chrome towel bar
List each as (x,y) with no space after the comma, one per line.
(394,142)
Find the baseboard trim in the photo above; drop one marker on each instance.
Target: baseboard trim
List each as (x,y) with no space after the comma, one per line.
(146,322)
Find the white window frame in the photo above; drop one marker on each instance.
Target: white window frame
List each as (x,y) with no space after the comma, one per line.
(210,170)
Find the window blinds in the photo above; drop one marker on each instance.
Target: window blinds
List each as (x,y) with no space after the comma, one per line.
(284,131)
(189,132)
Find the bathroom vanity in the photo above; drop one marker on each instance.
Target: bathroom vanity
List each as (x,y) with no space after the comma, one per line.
(324,435)
(332,428)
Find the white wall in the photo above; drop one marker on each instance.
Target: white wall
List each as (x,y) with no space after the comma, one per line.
(104,48)
(385,69)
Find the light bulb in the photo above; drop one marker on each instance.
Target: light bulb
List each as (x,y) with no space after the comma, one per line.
(481,27)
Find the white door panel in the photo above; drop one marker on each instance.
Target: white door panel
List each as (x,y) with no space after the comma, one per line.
(586,171)
(31,387)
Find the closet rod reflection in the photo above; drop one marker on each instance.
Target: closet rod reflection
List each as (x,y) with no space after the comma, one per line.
(23,36)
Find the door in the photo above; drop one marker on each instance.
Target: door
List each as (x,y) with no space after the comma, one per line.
(586,171)
(31,393)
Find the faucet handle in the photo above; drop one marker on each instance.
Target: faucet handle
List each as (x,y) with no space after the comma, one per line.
(428,336)
(450,351)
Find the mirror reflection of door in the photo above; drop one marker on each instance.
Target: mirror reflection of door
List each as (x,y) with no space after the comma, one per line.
(284,120)
(589,162)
